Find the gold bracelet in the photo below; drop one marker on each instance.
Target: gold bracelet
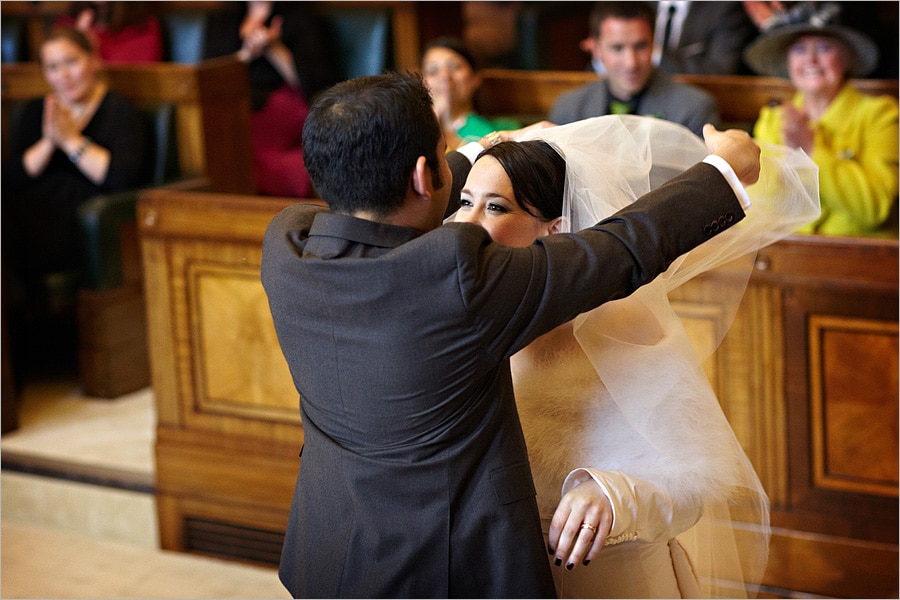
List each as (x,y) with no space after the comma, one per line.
(493,138)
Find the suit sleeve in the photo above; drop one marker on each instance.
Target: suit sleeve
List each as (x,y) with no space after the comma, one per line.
(561,276)
(563,110)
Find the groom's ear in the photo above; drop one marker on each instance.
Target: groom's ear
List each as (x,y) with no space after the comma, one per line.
(417,178)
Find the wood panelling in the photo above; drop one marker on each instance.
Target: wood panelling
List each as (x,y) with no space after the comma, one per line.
(203,464)
(853,400)
(808,377)
(810,565)
(806,373)
(229,373)
(242,372)
(229,432)
(741,371)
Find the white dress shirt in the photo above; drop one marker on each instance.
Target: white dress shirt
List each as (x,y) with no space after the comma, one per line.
(666,10)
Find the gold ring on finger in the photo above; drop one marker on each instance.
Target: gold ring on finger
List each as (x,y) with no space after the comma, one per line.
(589,526)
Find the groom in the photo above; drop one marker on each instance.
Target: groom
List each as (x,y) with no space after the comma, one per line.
(414,479)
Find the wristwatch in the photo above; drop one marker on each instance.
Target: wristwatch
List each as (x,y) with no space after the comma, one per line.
(76,155)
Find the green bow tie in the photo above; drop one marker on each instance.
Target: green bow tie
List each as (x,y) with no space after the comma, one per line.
(617,107)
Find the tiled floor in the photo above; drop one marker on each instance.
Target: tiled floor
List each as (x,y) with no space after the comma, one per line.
(78,511)
(58,425)
(40,562)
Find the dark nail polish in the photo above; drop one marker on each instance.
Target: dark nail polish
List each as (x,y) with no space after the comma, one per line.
(586,563)
(557,562)
(569,566)
(550,550)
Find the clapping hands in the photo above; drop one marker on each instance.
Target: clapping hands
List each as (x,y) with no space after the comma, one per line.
(59,124)
(256,36)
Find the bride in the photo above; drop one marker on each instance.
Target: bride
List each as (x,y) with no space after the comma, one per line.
(644,489)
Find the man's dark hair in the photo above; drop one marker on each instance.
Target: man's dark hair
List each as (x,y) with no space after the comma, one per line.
(362,138)
(537,173)
(620,10)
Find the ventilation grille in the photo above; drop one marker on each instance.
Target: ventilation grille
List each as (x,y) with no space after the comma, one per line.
(228,540)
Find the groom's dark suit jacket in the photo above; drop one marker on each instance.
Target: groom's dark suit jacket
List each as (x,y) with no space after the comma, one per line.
(414,479)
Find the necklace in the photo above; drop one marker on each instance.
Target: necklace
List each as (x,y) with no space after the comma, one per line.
(83,111)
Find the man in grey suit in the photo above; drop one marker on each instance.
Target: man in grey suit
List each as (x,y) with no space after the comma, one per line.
(414,478)
(622,41)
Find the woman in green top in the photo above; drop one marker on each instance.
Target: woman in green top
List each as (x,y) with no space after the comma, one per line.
(452,76)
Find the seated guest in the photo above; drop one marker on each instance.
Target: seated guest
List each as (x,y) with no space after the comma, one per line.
(122,32)
(451,75)
(289,61)
(78,141)
(878,20)
(622,40)
(852,137)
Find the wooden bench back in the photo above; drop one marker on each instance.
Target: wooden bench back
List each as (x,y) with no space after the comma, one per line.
(212,111)
(529,95)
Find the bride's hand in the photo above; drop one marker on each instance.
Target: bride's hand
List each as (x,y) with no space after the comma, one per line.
(737,148)
(571,538)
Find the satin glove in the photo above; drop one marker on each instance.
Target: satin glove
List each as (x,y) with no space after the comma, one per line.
(580,525)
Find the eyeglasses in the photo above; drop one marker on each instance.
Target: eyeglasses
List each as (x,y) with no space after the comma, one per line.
(810,47)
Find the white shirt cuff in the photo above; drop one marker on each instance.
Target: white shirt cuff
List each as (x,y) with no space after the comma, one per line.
(471,150)
(731,177)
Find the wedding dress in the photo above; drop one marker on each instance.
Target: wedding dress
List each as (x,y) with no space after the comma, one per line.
(619,395)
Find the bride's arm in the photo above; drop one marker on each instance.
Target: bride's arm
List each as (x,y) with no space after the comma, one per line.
(621,508)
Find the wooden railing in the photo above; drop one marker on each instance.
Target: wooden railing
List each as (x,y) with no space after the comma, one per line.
(529,95)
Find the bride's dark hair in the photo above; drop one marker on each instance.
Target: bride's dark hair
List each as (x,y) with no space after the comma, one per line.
(537,173)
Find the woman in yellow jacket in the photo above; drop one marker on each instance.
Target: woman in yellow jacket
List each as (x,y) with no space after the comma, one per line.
(852,137)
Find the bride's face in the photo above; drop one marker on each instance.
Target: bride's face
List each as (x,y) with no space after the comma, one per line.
(488,200)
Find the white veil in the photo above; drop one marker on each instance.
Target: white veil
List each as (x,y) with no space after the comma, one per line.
(610,162)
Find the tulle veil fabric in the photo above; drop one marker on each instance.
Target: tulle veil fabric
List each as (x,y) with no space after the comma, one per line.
(642,352)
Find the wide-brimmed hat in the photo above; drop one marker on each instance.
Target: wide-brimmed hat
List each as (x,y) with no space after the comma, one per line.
(767,54)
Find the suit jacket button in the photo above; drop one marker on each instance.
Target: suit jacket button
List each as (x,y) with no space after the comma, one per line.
(722,221)
(729,217)
(707,230)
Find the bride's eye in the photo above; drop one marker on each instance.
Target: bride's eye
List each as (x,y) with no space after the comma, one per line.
(498,208)
(465,202)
